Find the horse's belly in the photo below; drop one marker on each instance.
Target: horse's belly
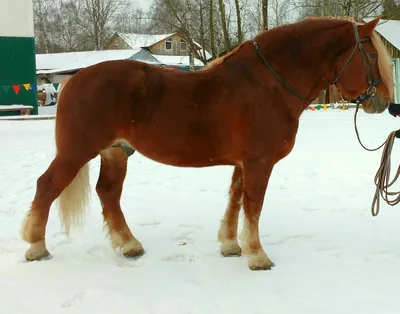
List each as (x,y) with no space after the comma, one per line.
(181,154)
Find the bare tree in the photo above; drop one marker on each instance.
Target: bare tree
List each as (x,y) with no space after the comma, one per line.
(224,25)
(67,24)
(264,10)
(188,35)
(358,9)
(391,9)
(212,29)
(279,12)
(98,17)
(43,10)
(239,22)
(133,20)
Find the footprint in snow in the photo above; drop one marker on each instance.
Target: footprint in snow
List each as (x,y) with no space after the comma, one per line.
(74,300)
(149,224)
(180,258)
(190,226)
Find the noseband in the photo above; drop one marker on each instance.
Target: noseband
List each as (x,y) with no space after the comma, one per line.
(370,92)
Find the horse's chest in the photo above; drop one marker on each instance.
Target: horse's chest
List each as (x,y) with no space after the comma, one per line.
(286,148)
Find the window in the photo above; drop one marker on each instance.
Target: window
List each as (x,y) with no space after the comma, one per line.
(183,45)
(168,44)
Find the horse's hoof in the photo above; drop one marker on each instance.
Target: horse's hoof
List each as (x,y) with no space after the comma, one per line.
(134,253)
(133,249)
(260,261)
(37,255)
(230,248)
(37,251)
(261,267)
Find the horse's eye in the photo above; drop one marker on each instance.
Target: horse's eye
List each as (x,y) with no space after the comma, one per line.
(372,56)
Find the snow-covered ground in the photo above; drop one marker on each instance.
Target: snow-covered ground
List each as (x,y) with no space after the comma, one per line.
(331,255)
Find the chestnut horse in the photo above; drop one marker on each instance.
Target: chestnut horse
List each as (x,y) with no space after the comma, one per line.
(241,110)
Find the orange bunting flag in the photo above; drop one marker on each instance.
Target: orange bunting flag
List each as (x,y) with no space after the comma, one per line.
(16,88)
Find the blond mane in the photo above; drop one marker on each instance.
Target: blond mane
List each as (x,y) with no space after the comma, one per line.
(220,60)
(384,63)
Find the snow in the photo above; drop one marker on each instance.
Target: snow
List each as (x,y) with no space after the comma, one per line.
(331,255)
(68,61)
(143,40)
(16,107)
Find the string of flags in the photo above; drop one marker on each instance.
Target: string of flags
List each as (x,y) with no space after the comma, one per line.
(318,107)
(27,86)
(342,106)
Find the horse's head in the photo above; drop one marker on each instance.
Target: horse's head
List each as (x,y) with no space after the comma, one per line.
(363,71)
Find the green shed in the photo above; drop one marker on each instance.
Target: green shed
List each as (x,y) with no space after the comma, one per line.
(17,55)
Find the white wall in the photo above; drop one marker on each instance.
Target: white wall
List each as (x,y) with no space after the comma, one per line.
(16,18)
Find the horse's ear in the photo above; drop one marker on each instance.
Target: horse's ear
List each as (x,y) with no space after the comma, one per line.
(368,28)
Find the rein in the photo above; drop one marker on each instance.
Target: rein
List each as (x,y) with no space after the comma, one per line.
(382,177)
(277,76)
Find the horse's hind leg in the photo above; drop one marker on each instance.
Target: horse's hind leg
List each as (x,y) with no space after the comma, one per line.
(109,188)
(50,184)
(227,234)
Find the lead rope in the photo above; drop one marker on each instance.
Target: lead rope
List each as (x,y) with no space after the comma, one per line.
(382,177)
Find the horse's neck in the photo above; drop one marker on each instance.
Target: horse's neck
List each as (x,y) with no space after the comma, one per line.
(307,67)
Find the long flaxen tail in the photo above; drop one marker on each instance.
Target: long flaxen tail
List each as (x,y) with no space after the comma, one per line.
(73,201)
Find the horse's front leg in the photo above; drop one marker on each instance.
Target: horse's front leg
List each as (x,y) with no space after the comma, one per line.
(256,175)
(227,233)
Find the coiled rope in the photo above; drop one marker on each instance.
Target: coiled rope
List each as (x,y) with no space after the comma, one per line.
(382,177)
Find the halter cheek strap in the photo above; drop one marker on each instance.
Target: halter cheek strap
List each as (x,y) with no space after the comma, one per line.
(370,92)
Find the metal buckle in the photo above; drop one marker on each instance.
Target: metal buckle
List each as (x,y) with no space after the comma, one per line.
(371,90)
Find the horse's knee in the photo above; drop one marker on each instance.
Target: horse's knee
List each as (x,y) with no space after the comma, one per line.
(104,187)
(44,182)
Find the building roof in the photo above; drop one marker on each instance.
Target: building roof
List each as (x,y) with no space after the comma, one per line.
(64,62)
(389,29)
(70,61)
(142,40)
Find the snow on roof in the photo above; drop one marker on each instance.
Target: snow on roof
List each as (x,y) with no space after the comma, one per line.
(71,61)
(389,29)
(177,60)
(146,40)
(142,40)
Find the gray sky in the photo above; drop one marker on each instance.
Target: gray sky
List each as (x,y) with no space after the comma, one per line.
(144,4)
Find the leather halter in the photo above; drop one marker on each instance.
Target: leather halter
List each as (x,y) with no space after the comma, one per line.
(370,92)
